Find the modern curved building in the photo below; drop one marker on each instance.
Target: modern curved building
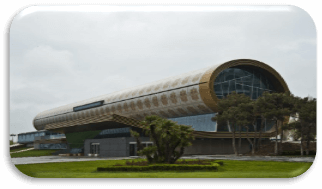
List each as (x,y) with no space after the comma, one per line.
(189,98)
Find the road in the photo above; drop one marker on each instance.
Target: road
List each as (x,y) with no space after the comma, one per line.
(56,159)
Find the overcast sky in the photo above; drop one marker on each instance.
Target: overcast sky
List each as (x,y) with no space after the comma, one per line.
(60,55)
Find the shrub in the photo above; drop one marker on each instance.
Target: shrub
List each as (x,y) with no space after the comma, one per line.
(139,163)
(169,139)
(221,163)
(181,162)
(161,167)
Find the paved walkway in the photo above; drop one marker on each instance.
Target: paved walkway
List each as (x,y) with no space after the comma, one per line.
(14,145)
(22,150)
(53,159)
(253,158)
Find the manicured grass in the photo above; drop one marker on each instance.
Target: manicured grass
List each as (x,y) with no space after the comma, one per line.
(33,153)
(18,149)
(230,169)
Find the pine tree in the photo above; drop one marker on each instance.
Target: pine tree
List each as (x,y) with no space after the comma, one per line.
(228,113)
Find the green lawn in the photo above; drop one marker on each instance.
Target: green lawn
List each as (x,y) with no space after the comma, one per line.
(33,153)
(231,169)
(18,149)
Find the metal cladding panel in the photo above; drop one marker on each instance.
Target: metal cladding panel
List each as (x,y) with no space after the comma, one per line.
(112,108)
(166,84)
(134,93)
(49,120)
(107,99)
(186,80)
(141,91)
(163,112)
(119,108)
(157,87)
(132,105)
(153,112)
(139,104)
(173,98)
(121,95)
(113,98)
(181,78)
(156,103)
(173,112)
(144,113)
(146,89)
(125,107)
(124,94)
(101,110)
(157,100)
(183,95)
(147,102)
(182,110)
(193,109)
(175,82)
(67,118)
(188,109)
(193,94)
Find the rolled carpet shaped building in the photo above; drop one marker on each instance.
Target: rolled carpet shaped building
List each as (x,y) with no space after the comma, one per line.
(189,99)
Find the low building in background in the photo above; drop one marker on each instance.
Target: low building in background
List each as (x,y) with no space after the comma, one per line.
(43,140)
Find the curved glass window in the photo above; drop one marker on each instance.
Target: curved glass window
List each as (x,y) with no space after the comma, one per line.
(268,124)
(250,81)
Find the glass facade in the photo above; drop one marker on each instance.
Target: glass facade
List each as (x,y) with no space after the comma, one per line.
(268,124)
(198,122)
(115,131)
(250,81)
(53,146)
(76,150)
(119,132)
(87,106)
(30,137)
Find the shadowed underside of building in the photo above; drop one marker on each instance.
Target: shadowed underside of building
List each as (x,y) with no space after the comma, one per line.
(102,125)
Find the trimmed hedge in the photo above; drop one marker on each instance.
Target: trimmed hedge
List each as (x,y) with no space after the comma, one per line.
(221,163)
(189,162)
(161,167)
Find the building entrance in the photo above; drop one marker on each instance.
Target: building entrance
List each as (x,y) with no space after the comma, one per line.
(95,148)
(133,147)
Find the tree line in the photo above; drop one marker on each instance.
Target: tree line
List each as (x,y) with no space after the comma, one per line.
(239,112)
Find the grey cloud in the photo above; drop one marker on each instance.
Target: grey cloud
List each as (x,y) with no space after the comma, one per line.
(58,58)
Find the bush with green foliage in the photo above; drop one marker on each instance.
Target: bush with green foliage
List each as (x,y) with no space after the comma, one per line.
(182,162)
(167,137)
(162,167)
